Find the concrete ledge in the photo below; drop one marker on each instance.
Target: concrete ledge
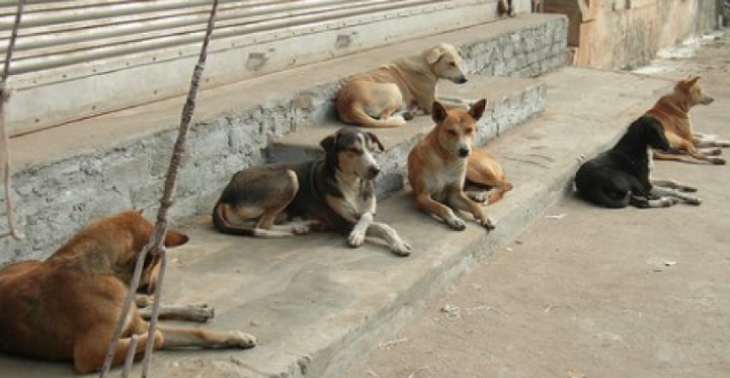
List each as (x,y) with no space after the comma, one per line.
(511,101)
(66,176)
(317,305)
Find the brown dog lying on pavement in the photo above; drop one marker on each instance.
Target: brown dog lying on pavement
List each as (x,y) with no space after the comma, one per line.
(437,166)
(483,171)
(336,193)
(67,307)
(672,111)
(370,99)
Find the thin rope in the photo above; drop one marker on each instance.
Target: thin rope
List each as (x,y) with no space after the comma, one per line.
(4,138)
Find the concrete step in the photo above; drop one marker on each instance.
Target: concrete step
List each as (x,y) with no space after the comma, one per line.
(68,175)
(317,305)
(511,102)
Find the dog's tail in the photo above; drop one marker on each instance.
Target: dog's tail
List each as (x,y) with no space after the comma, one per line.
(221,223)
(355,114)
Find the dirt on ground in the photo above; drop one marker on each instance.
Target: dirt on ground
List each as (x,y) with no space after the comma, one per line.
(590,292)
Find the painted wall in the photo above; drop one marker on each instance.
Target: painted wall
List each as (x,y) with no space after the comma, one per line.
(619,34)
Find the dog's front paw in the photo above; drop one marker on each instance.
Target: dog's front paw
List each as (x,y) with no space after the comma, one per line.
(241,340)
(712,152)
(717,161)
(487,223)
(456,223)
(695,201)
(356,239)
(401,248)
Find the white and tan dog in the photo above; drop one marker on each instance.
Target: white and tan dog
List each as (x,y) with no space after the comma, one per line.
(372,98)
(437,166)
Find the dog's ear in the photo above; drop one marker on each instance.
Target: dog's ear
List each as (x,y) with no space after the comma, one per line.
(174,238)
(477,109)
(439,112)
(434,55)
(686,84)
(328,143)
(374,139)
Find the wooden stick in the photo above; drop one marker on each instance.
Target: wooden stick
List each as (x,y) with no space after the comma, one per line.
(131,352)
(4,143)
(156,244)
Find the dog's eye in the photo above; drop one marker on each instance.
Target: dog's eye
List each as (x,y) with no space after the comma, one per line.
(452,132)
(355,151)
(452,64)
(468,131)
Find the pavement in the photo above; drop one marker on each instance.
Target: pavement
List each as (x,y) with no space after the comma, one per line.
(317,306)
(586,292)
(603,276)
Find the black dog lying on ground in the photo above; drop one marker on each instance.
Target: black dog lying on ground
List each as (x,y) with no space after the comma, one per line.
(620,176)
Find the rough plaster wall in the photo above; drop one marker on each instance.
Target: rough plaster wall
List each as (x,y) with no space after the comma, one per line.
(55,200)
(625,38)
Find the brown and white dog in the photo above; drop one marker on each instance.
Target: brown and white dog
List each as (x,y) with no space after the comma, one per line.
(67,307)
(483,171)
(437,166)
(336,193)
(672,112)
(371,99)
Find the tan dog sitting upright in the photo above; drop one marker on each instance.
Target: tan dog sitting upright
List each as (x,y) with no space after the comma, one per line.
(483,171)
(67,307)
(437,166)
(371,99)
(672,111)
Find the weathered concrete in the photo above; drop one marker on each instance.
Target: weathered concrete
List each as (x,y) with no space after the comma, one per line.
(511,102)
(591,292)
(71,174)
(317,305)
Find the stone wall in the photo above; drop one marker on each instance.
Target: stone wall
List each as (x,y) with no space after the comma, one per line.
(54,200)
(623,34)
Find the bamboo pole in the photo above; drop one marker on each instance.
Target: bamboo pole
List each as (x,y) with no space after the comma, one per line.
(4,138)
(156,244)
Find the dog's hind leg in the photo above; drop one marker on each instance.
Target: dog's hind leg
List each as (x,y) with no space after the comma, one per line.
(390,236)
(669,193)
(644,202)
(671,184)
(90,347)
(187,338)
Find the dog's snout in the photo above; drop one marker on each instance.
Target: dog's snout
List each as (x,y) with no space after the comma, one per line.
(373,171)
(461,80)
(464,152)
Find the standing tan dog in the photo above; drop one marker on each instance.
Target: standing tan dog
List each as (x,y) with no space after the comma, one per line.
(483,171)
(672,111)
(371,99)
(437,166)
(67,307)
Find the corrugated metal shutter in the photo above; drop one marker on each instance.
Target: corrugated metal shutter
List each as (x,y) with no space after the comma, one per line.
(61,41)
(62,33)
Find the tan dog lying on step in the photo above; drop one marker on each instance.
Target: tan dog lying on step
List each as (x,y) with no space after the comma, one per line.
(437,166)
(67,307)
(371,99)
(672,111)
(484,172)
